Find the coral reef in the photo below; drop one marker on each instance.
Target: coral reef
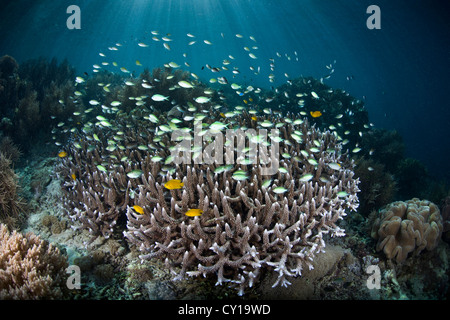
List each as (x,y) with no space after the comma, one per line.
(8,66)
(412,177)
(9,149)
(245,224)
(30,268)
(340,112)
(383,146)
(34,98)
(11,205)
(445,212)
(377,186)
(120,155)
(407,227)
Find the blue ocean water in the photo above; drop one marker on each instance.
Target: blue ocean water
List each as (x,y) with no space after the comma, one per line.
(401,70)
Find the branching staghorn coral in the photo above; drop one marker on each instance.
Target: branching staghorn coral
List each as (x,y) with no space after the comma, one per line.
(250,221)
(407,227)
(245,225)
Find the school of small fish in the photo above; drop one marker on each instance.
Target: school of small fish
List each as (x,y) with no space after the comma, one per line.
(253,100)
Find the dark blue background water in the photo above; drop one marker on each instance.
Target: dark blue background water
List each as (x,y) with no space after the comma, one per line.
(402,70)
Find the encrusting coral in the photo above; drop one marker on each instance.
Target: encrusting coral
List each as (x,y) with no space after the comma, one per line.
(249,221)
(407,227)
(30,268)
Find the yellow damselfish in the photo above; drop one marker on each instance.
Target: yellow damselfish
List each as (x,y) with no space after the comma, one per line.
(138,209)
(62,154)
(315,114)
(194,212)
(174,184)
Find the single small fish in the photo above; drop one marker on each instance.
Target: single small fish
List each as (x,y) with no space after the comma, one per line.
(62,154)
(324,179)
(266,183)
(297,138)
(101,168)
(334,166)
(134,174)
(153,118)
(239,176)
(174,65)
(306,177)
(342,194)
(315,114)
(173,184)
(146,85)
(279,190)
(202,99)
(315,96)
(156,159)
(223,169)
(74,177)
(185,84)
(266,124)
(105,123)
(194,212)
(217,126)
(138,209)
(159,97)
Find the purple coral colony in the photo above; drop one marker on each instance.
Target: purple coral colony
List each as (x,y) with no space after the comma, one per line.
(162,185)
